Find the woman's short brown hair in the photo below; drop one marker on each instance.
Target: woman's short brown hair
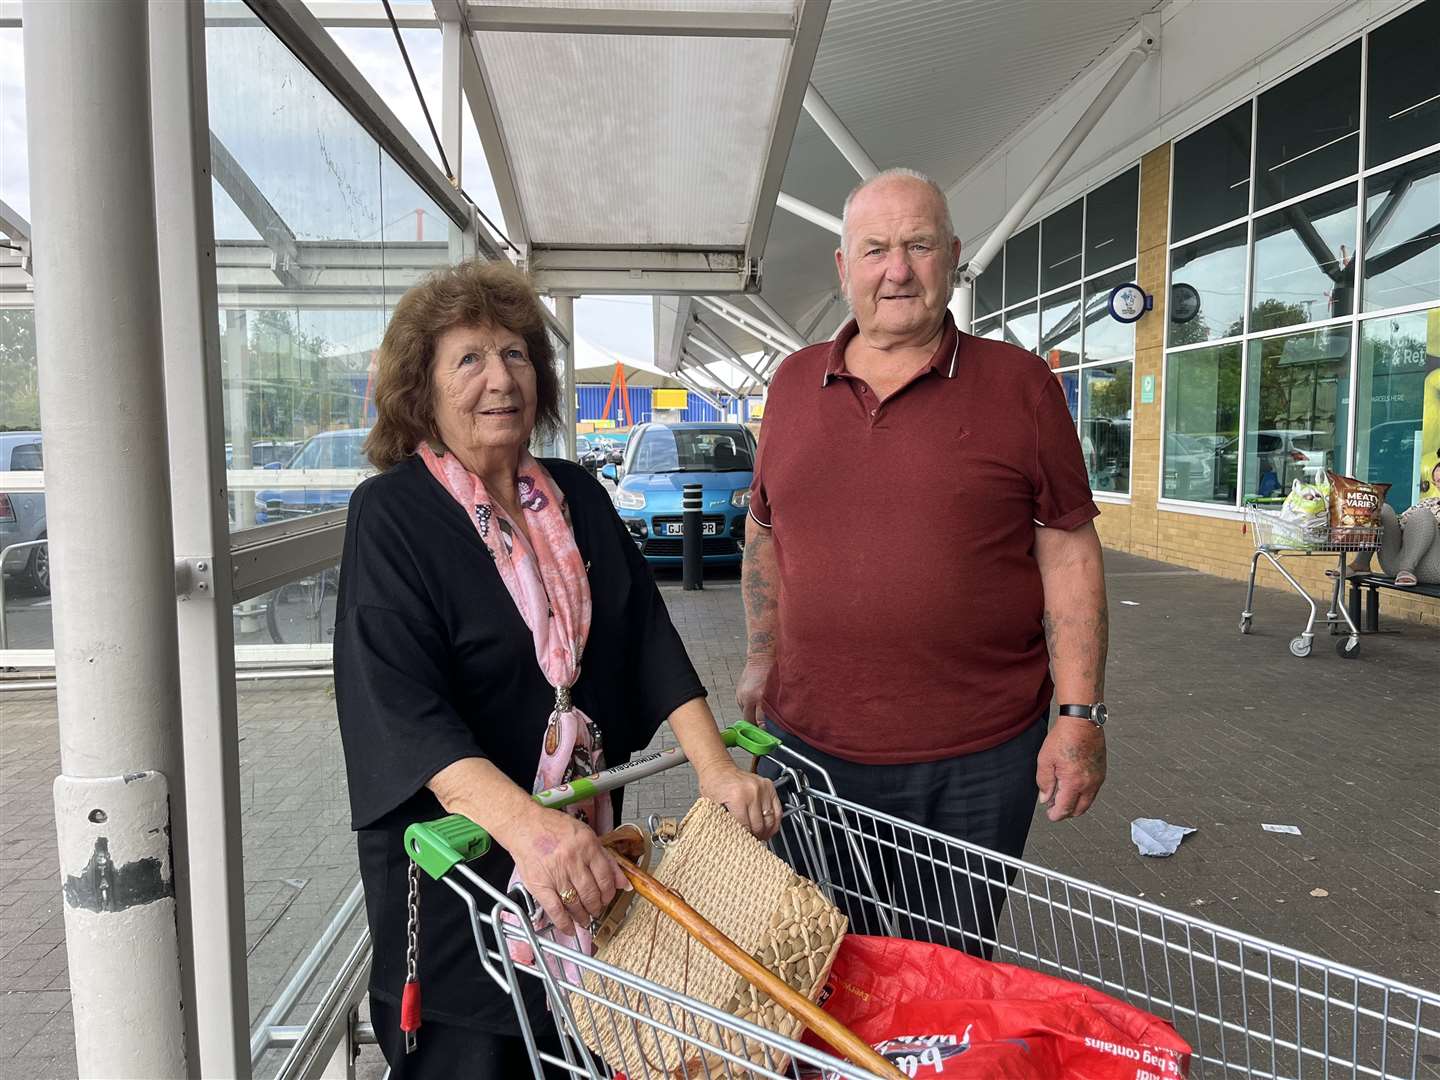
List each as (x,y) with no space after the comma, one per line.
(468,294)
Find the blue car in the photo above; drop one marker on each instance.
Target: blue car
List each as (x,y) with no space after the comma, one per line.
(344,449)
(659,461)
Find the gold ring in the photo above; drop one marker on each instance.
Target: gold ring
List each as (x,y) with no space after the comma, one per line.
(767,813)
(568,897)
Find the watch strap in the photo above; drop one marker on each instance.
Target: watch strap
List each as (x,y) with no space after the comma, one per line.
(1084,712)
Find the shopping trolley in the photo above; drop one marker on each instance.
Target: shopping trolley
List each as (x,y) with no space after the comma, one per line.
(1248,1007)
(1276,539)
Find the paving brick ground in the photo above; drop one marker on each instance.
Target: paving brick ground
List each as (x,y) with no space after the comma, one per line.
(1211,730)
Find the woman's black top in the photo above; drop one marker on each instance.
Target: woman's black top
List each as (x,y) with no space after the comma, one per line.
(433,663)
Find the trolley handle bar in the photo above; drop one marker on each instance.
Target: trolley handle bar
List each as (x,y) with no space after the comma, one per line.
(437,846)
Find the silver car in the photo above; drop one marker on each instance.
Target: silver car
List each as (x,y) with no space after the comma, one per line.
(22,513)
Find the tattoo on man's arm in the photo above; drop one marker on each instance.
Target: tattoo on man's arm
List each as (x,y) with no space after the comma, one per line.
(759,590)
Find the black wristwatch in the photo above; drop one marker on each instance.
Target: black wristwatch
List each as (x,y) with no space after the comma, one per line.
(1097,714)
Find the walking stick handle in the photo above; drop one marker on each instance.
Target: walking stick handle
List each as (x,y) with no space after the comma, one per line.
(851,1046)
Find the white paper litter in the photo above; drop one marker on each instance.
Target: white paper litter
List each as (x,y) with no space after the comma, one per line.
(1290,830)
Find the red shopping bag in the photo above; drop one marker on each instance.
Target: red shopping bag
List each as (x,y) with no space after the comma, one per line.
(938,1012)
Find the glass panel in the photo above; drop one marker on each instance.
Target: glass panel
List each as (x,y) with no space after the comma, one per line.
(1211,273)
(1305,262)
(1308,130)
(1105,426)
(1022,252)
(1402,235)
(1111,220)
(1060,329)
(1022,327)
(299,852)
(1212,175)
(1060,246)
(1402,111)
(1070,384)
(989,328)
(989,286)
(1202,416)
(1296,403)
(303,268)
(1106,337)
(1399,355)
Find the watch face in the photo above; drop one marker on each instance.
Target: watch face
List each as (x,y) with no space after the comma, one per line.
(1100,714)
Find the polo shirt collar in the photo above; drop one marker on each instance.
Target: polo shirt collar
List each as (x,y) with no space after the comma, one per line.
(943,361)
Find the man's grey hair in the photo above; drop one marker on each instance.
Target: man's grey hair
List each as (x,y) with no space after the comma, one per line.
(895,174)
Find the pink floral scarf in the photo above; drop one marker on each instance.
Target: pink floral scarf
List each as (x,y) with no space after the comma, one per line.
(546,579)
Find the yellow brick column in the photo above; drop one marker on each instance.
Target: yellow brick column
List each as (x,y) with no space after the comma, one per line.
(1138,530)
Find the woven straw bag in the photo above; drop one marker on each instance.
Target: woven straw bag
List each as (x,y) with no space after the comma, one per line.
(751,897)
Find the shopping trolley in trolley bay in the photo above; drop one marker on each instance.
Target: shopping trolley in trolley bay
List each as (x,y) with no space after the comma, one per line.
(1247,1007)
(1277,538)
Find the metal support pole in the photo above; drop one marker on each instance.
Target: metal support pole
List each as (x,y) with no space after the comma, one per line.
(729,355)
(751,324)
(102,393)
(694,387)
(1134,60)
(692,546)
(214,873)
(836,131)
(713,377)
(777,320)
(812,214)
(452,112)
(569,406)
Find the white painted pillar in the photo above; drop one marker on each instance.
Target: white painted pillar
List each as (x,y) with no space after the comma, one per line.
(102,395)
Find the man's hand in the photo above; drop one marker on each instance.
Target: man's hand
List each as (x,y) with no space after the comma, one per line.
(1071,767)
(750,687)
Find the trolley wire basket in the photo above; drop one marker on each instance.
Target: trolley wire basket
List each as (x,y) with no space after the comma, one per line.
(1248,1007)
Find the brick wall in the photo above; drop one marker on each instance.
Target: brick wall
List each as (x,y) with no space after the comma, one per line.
(1213,545)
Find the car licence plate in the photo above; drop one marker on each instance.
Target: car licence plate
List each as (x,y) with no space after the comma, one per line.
(707,528)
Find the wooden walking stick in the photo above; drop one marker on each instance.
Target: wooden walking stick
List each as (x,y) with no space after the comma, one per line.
(853,1048)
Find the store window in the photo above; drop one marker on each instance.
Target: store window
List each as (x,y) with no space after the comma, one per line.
(1304,262)
(1397,403)
(1022,327)
(990,287)
(1211,175)
(1022,255)
(1202,424)
(1321,227)
(1307,130)
(1296,398)
(1214,270)
(1060,246)
(1402,234)
(1106,338)
(1105,415)
(1111,221)
(1402,110)
(1060,328)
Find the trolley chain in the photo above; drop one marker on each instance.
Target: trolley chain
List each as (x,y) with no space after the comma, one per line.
(410,999)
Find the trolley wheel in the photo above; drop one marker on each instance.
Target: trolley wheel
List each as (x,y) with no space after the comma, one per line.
(1300,646)
(1244,624)
(1348,648)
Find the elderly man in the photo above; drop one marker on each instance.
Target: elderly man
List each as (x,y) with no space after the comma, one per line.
(921,569)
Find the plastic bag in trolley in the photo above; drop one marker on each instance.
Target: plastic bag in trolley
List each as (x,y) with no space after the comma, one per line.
(938,1012)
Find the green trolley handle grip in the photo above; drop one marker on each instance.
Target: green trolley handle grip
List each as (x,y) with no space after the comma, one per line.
(438,846)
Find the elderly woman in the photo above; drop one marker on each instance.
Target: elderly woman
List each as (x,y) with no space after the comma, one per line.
(497,633)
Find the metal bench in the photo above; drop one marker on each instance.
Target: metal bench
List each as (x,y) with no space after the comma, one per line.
(1372,584)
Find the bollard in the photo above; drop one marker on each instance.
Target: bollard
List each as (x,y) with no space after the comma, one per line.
(692,547)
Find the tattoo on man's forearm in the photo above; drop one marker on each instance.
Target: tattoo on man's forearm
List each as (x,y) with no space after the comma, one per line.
(1085,640)
(759,590)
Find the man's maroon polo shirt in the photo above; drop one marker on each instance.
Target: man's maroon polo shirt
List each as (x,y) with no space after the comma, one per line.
(910,599)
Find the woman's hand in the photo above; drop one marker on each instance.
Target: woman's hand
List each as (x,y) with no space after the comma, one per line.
(564,866)
(750,798)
